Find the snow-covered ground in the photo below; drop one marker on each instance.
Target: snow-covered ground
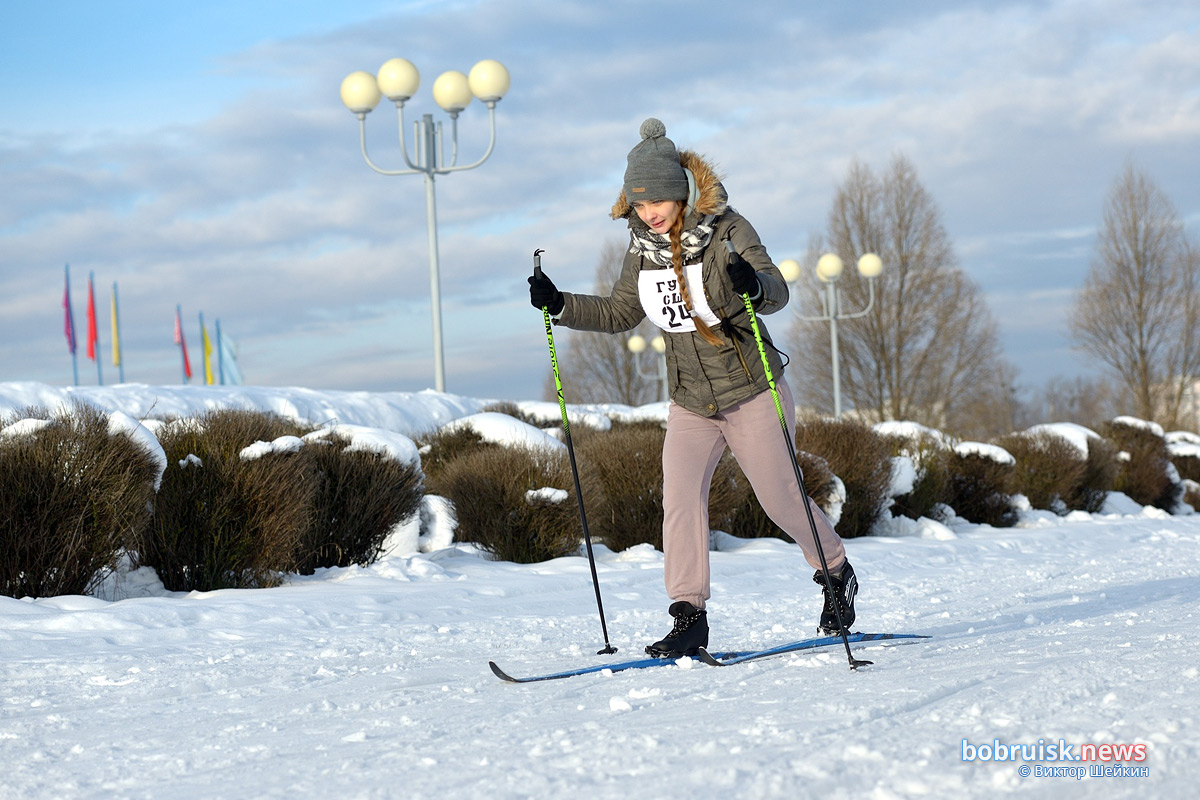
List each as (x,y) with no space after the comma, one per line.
(374,682)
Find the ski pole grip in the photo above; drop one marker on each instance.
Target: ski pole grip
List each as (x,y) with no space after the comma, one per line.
(729,246)
(537,263)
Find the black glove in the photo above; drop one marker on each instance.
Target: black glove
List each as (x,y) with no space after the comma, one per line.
(543,294)
(742,276)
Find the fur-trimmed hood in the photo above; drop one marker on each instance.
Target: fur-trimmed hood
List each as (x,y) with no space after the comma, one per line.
(712,198)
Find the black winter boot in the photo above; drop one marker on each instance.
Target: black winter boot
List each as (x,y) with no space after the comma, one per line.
(689,634)
(845,586)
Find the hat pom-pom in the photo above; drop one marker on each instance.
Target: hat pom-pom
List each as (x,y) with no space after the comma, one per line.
(653,129)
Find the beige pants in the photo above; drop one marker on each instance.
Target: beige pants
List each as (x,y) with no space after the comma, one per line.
(694,445)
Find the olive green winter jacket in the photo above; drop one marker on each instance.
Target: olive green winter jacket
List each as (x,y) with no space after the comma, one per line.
(703,378)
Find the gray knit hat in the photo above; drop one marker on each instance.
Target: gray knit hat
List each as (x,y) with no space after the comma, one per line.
(654,172)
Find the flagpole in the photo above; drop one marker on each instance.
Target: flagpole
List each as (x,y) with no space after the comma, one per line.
(116,317)
(71,325)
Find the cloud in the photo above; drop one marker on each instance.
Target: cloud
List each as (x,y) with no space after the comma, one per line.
(1016,116)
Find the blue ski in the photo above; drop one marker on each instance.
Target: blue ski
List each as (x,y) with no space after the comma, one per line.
(725,660)
(714,659)
(619,666)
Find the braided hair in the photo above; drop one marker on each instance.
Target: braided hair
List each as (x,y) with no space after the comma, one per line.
(676,234)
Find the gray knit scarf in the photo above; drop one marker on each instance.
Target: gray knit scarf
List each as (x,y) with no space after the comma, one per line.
(657,246)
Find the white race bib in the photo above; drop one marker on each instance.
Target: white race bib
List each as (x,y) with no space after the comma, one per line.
(663,301)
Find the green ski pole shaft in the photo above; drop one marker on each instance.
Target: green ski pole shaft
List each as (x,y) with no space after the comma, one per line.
(791,447)
(562,407)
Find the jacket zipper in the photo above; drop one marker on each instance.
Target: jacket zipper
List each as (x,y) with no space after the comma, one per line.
(741,358)
(733,336)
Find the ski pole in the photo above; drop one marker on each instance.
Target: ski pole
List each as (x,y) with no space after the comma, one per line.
(787,437)
(562,407)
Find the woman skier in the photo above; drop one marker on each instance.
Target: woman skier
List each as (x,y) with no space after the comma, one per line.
(680,274)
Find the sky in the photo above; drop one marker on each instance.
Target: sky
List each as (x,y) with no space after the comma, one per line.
(201,157)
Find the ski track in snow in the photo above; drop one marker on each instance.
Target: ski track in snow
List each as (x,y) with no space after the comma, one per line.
(374,682)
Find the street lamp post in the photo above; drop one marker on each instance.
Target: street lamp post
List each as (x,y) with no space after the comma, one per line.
(829,269)
(398,80)
(637,345)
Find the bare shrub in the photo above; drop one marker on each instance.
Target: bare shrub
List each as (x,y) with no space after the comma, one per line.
(360,498)
(1191,493)
(980,490)
(489,488)
(511,409)
(747,518)
(861,458)
(931,489)
(72,496)
(445,446)
(222,521)
(1099,476)
(1188,467)
(1143,472)
(1049,469)
(627,462)
(1184,450)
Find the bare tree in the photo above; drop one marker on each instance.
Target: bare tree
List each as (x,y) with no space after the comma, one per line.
(598,367)
(929,350)
(1088,401)
(1140,303)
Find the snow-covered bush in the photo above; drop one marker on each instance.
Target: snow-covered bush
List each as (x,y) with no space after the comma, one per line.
(513,410)
(364,489)
(929,453)
(247,499)
(229,513)
(1049,468)
(980,488)
(442,447)
(1099,477)
(487,429)
(1184,449)
(1145,472)
(489,488)
(978,482)
(75,486)
(861,458)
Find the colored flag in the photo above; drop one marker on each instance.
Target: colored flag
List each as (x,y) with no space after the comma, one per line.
(116,330)
(92,333)
(187,366)
(227,352)
(207,350)
(68,316)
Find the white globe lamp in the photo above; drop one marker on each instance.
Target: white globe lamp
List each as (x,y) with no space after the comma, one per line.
(360,92)
(452,92)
